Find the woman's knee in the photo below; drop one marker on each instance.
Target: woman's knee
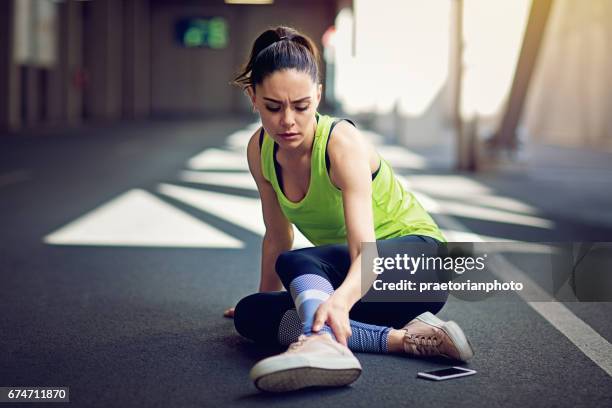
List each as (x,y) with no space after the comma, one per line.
(257,316)
(291,264)
(244,316)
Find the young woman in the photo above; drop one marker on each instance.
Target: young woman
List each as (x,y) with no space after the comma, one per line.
(321,175)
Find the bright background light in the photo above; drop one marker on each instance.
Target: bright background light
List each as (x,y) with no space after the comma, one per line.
(401,55)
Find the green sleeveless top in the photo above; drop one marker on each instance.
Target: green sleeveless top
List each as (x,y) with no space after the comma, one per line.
(320,214)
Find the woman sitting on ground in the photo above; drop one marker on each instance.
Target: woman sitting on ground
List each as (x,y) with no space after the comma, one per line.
(321,175)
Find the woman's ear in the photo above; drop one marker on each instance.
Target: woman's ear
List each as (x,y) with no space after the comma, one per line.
(251,94)
(319,92)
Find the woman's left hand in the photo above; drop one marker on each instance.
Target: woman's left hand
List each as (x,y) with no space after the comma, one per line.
(335,313)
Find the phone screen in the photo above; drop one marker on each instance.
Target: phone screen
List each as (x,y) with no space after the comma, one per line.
(446,372)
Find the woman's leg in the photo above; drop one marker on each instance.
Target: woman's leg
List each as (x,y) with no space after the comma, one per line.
(313,273)
(306,279)
(283,326)
(397,314)
(325,267)
(259,316)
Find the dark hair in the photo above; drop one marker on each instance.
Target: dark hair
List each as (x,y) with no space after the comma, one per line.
(276,49)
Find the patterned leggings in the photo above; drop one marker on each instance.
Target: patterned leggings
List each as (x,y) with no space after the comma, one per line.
(311,274)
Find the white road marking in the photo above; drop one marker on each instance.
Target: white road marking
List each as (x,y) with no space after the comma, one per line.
(591,343)
(244,212)
(138,218)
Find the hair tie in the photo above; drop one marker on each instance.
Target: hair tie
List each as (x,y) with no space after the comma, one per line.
(284,37)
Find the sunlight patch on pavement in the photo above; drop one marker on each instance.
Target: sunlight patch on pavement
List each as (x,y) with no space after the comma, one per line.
(524,247)
(477,207)
(238,140)
(489,214)
(223,179)
(401,158)
(244,212)
(218,159)
(467,190)
(139,219)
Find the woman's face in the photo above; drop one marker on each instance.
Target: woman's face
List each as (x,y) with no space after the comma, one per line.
(287,101)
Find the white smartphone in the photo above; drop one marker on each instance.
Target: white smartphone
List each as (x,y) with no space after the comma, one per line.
(446,373)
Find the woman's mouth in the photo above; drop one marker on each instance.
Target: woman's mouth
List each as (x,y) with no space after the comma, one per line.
(288,135)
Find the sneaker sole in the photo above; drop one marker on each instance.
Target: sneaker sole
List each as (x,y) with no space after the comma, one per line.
(452,329)
(304,377)
(297,373)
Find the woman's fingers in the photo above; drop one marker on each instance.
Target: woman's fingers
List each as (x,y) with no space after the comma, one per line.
(339,331)
(319,318)
(229,313)
(336,319)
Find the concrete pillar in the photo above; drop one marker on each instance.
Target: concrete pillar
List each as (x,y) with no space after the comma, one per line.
(534,33)
(55,100)
(73,60)
(104,59)
(33,96)
(9,74)
(137,59)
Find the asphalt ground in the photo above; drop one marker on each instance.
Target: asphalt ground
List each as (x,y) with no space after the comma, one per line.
(142,326)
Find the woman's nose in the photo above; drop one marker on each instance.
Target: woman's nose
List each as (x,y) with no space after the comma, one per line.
(287,118)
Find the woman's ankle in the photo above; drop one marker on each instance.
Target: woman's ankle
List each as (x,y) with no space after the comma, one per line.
(395,341)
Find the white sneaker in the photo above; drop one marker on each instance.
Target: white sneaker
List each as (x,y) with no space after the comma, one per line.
(312,361)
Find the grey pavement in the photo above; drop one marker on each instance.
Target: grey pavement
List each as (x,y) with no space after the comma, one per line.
(135,326)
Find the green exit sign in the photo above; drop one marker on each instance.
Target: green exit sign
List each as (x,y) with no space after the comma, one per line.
(202,32)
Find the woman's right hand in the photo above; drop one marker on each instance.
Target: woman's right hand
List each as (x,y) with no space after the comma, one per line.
(229,313)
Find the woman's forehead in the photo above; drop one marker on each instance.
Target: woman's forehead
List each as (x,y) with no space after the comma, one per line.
(287,84)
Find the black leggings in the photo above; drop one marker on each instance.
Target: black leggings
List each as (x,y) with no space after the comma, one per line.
(261,316)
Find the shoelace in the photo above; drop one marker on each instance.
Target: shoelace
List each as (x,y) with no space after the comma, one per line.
(424,345)
(299,343)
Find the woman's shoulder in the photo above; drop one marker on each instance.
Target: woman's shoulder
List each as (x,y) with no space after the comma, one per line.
(345,137)
(254,151)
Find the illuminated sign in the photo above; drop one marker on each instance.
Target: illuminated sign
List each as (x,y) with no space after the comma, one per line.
(204,32)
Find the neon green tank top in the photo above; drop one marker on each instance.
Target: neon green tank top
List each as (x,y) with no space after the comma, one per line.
(320,214)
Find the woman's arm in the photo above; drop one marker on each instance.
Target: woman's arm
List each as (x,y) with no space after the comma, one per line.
(278,237)
(279,232)
(349,155)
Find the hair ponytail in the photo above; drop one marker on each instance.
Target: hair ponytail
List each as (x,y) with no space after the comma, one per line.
(277,49)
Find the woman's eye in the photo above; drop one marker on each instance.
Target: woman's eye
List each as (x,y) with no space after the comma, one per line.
(277,108)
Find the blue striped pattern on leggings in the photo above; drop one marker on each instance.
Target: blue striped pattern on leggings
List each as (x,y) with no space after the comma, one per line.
(308,292)
(366,338)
